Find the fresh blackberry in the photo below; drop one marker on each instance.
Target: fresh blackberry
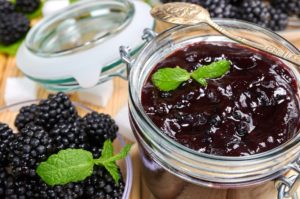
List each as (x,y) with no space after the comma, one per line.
(68,135)
(13,27)
(27,114)
(255,11)
(56,109)
(99,127)
(3,178)
(18,188)
(6,137)
(217,8)
(290,7)
(69,191)
(27,6)
(31,146)
(6,7)
(101,185)
(278,19)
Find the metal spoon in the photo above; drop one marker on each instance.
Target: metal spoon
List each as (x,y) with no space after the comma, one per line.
(191,14)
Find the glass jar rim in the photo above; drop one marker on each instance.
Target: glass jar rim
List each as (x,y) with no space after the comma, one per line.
(49,24)
(135,102)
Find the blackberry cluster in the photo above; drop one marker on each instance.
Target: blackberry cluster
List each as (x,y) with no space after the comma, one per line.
(56,109)
(46,128)
(255,11)
(27,6)
(273,14)
(32,146)
(290,7)
(68,135)
(6,137)
(102,185)
(279,20)
(6,7)
(99,127)
(13,27)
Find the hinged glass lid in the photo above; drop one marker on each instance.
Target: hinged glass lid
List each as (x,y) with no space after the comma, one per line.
(80,27)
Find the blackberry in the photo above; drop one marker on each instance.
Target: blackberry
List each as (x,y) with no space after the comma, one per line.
(6,7)
(18,188)
(31,146)
(290,7)
(217,8)
(27,6)
(101,185)
(99,127)
(56,109)
(278,19)
(13,27)
(70,135)
(27,114)
(6,137)
(69,191)
(3,178)
(255,11)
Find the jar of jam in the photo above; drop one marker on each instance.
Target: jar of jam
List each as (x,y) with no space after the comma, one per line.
(241,130)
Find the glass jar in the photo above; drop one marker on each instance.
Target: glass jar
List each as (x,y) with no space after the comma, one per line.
(78,47)
(169,168)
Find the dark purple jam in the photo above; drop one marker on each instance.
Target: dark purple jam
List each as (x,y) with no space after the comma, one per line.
(251,109)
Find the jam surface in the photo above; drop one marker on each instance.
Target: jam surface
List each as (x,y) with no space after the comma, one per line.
(251,109)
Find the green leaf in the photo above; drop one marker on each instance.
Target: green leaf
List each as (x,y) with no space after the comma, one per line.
(70,165)
(73,1)
(108,160)
(167,79)
(213,70)
(11,49)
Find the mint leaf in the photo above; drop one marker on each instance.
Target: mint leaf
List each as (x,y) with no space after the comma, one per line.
(167,79)
(73,165)
(213,70)
(70,165)
(108,160)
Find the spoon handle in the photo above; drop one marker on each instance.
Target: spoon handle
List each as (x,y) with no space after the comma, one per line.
(281,53)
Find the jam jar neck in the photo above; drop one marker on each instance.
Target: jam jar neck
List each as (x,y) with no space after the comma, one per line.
(193,166)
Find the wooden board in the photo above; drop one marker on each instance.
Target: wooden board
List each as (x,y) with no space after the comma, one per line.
(139,191)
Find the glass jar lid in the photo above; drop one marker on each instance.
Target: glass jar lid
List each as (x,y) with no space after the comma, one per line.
(79,43)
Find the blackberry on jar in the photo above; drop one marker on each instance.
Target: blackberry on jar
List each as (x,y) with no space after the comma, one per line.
(31,146)
(6,137)
(68,135)
(13,27)
(290,7)
(278,19)
(6,7)
(255,11)
(18,188)
(102,185)
(27,6)
(56,109)
(27,114)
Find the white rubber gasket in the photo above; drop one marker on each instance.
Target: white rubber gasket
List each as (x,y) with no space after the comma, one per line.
(85,66)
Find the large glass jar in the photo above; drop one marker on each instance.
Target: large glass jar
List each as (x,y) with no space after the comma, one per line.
(173,171)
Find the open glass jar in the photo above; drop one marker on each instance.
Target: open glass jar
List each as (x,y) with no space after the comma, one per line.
(177,168)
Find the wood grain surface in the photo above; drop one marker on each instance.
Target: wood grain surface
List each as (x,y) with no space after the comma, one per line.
(139,191)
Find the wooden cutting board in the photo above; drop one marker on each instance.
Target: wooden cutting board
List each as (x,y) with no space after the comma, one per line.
(140,191)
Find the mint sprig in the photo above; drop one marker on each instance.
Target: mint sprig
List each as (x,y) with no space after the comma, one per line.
(167,79)
(73,165)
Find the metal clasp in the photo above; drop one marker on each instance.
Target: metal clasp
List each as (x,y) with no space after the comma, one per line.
(148,35)
(287,186)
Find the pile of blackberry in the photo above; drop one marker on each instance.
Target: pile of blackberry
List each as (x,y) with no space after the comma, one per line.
(14,24)
(271,14)
(44,129)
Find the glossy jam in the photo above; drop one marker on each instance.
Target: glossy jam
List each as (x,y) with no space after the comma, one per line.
(251,109)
